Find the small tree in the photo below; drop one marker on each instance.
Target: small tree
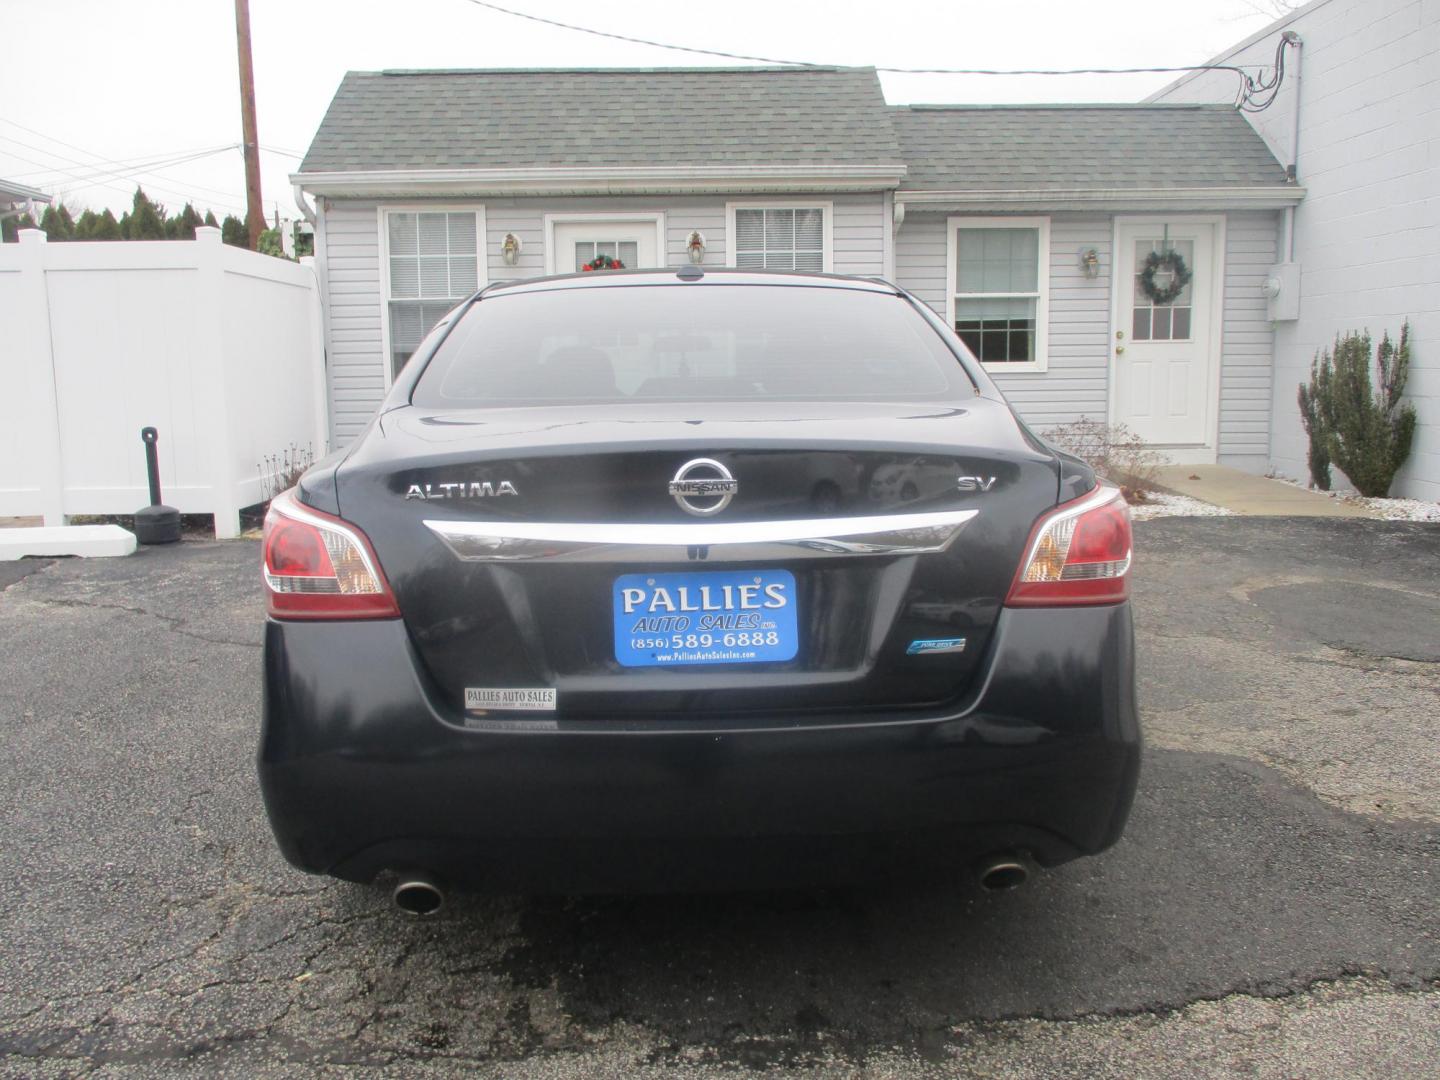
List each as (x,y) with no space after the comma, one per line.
(1317,454)
(182,226)
(270,244)
(1365,426)
(57,223)
(145,221)
(234,232)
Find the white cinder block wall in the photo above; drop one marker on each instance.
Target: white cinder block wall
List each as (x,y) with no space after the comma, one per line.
(1367,236)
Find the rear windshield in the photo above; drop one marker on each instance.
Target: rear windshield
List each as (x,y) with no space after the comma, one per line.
(690,343)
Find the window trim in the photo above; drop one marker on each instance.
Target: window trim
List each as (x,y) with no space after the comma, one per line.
(607,217)
(482,274)
(1041,363)
(827,225)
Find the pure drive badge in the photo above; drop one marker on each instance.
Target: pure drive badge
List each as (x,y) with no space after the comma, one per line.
(510,699)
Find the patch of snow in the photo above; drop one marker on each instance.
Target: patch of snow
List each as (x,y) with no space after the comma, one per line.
(1163,504)
(1385,509)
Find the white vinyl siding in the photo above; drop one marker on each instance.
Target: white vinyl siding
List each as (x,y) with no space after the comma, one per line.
(349,257)
(1076,383)
(432,263)
(1247,345)
(1078,332)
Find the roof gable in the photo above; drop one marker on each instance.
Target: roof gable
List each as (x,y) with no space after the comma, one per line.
(604,118)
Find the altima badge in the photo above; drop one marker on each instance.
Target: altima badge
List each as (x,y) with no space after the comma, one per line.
(708,479)
(472,490)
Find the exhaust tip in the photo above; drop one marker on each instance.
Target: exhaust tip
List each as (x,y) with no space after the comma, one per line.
(418,896)
(1003,873)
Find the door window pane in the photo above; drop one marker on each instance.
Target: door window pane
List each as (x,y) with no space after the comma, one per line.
(1163,322)
(625,252)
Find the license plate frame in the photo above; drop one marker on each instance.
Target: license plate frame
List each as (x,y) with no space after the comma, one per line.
(705,617)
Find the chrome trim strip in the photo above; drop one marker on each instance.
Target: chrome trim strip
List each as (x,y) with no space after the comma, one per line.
(888,534)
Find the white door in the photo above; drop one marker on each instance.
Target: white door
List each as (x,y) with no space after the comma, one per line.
(1164,362)
(579,243)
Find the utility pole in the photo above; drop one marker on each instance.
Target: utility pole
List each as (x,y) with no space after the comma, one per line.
(254,208)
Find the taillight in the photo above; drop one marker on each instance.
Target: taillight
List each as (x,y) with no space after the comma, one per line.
(319,567)
(1078,553)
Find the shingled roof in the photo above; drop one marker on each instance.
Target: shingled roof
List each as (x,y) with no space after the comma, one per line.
(479,129)
(1019,147)
(630,117)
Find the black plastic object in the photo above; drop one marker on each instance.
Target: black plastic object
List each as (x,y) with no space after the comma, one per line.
(155,524)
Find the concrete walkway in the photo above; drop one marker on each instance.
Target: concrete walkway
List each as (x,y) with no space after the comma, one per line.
(1246,493)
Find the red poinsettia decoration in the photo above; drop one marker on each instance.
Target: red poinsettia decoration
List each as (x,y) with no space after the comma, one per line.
(603,262)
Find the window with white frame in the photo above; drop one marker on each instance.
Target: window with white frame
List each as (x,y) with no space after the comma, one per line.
(780,237)
(999,289)
(432,264)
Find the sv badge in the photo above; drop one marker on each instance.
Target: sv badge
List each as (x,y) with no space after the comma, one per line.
(975,483)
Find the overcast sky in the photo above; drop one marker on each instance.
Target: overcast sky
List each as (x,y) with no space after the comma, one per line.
(85,84)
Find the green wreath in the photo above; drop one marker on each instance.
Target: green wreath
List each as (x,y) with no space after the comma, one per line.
(603,262)
(1180,276)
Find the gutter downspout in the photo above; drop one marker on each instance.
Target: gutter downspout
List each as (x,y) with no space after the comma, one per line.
(306,210)
(1293,169)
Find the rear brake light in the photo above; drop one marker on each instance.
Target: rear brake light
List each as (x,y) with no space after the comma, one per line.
(319,567)
(1078,553)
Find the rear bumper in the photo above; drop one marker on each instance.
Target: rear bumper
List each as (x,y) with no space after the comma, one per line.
(362,771)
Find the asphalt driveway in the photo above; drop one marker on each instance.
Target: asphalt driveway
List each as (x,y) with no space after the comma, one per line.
(1274,909)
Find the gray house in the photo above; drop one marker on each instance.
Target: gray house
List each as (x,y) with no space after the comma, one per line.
(1037,231)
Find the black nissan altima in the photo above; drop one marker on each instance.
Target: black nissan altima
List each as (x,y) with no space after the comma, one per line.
(670,579)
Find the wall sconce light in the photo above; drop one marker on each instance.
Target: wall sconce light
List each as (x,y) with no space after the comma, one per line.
(510,249)
(1090,262)
(695,246)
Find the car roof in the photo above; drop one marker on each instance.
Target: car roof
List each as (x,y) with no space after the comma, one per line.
(685,275)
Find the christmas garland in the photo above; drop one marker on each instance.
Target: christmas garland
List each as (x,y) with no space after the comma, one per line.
(1180,276)
(603,262)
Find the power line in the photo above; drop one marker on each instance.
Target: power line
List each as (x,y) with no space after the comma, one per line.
(122,164)
(1250,86)
(127,169)
(79,180)
(636,40)
(124,171)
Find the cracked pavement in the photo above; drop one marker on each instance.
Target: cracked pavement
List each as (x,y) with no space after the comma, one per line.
(1271,912)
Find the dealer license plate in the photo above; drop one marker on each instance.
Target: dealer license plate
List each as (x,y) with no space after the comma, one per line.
(716,617)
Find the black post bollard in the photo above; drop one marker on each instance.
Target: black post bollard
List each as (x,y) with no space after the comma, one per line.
(155,524)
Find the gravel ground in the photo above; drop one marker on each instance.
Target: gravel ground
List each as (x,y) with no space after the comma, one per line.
(1271,911)
(1163,504)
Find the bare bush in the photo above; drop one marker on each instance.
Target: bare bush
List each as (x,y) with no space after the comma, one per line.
(280,472)
(1114,452)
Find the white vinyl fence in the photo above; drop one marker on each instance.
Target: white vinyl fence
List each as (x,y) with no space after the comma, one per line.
(217,347)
